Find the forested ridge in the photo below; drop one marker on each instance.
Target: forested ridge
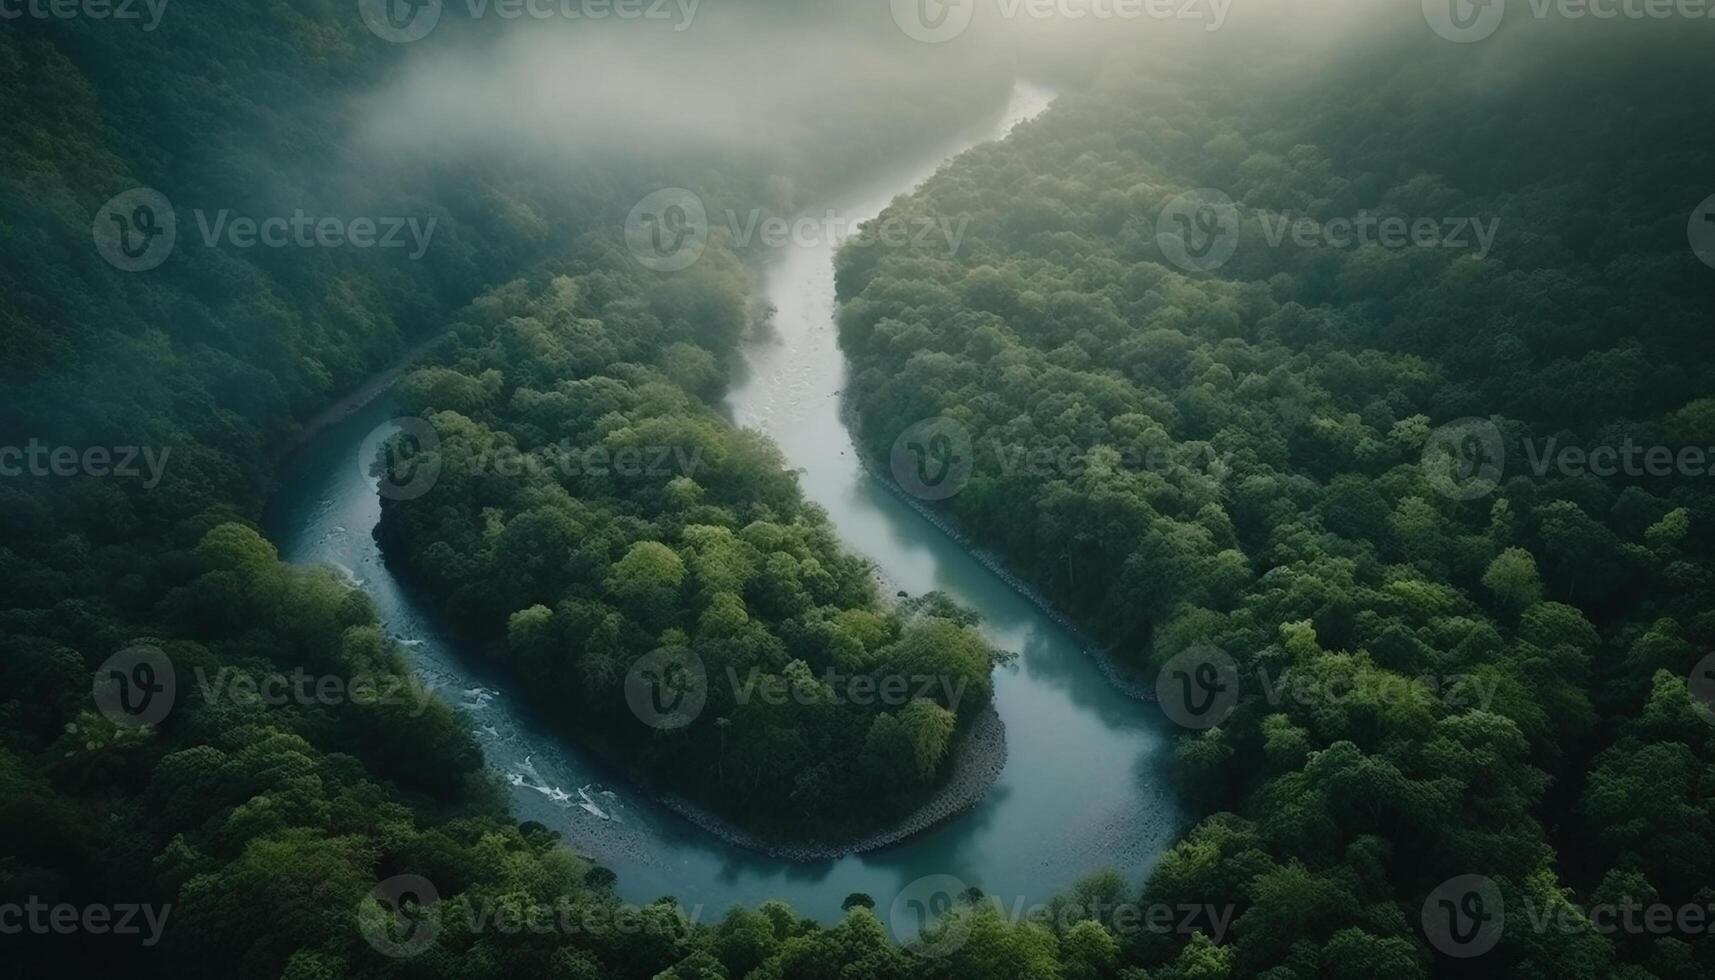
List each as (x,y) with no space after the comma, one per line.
(1236,464)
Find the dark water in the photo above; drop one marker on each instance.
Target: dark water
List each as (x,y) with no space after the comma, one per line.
(1085,785)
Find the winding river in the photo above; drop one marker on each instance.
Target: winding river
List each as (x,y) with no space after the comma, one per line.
(1085,784)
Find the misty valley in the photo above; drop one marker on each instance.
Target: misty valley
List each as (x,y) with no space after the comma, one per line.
(828,490)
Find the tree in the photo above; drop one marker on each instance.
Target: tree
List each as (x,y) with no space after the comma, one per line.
(857,900)
(1512,578)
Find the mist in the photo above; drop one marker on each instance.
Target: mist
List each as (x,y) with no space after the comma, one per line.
(755,84)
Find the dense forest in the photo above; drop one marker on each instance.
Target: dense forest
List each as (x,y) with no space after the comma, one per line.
(1235,453)
(540,536)
(261,828)
(1303,469)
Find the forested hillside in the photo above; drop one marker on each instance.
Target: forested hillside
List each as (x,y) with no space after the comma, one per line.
(260,827)
(1297,475)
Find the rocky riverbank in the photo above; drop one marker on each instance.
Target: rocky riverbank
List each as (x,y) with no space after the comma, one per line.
(981,755)
(1124,677)
(355,400)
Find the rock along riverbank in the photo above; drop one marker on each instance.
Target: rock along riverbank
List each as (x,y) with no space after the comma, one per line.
(980,757)
(1121,675)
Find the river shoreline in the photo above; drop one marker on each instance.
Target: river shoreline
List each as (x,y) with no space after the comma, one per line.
(1121,675)
(981,755)
(356,399)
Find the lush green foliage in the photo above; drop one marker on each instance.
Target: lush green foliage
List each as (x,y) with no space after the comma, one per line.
(577,563)
(1247,449)
(1283,399)
(262,826)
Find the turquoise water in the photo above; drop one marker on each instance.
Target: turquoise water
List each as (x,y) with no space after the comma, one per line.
(1086,780)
